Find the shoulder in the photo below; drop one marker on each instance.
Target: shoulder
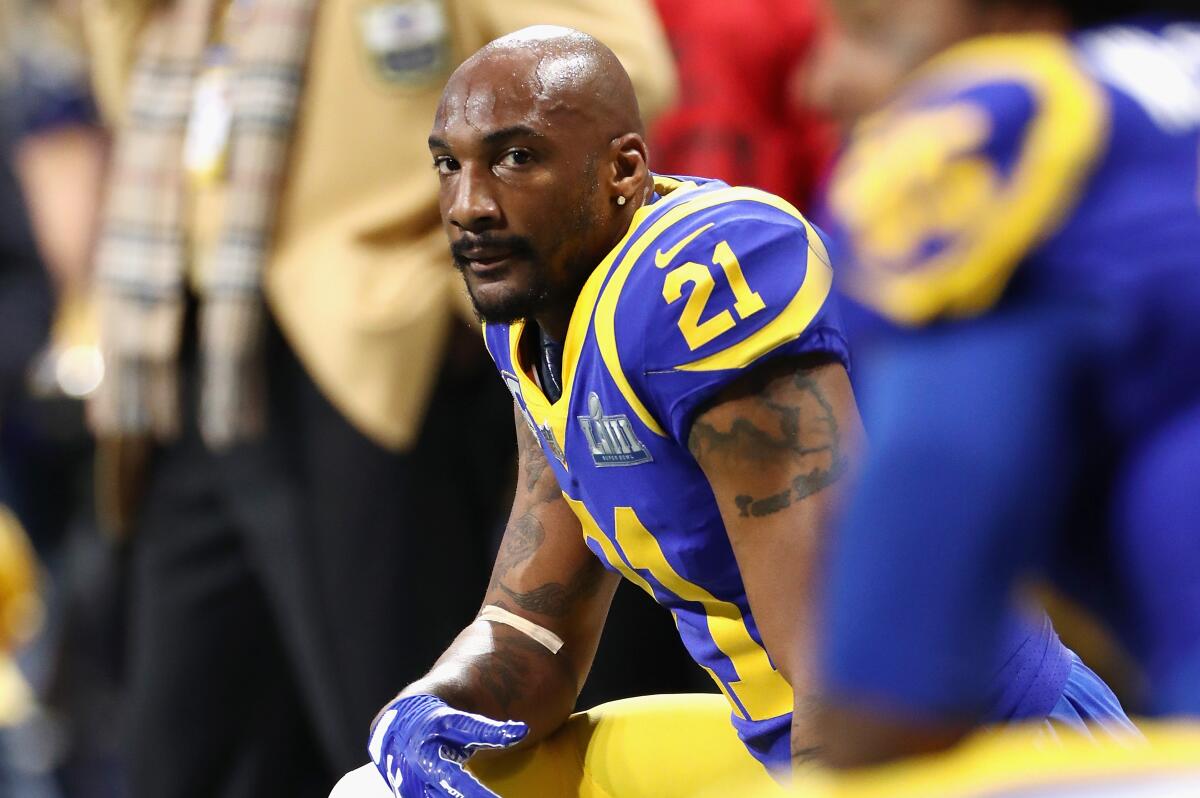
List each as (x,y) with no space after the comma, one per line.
(941,195)
(710,273)
(708,285)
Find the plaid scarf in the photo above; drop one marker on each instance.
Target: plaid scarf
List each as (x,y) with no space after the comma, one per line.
(142,252)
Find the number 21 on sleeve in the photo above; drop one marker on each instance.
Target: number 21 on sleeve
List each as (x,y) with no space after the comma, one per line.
(747,302)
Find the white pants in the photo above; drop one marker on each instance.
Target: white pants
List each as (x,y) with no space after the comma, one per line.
(362,783)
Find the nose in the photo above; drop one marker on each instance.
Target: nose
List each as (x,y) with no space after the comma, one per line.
(473,204)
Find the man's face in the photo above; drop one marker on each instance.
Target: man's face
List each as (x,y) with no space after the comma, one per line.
(520,196)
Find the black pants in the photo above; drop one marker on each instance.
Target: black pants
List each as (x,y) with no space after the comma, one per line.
(284,591)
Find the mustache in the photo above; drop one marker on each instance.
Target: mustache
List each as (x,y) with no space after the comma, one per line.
(512,245)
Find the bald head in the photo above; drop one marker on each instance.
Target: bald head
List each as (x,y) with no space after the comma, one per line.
(540,155)
(556,71)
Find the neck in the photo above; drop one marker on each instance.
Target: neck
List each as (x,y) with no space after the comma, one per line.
(555,321)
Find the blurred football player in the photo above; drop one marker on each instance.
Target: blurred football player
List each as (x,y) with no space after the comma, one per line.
(1024,229)
(683,412)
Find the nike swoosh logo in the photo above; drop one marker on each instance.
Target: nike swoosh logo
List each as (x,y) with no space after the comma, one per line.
(663,259)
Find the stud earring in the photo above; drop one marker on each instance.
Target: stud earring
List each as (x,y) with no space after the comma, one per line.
(620,200)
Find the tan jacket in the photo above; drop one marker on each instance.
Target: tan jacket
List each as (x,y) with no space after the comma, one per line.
(360,279)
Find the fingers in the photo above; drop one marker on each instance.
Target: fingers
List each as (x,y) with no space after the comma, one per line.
(379,734)
(450,780)
(391,775)
(471,732)
(420,754)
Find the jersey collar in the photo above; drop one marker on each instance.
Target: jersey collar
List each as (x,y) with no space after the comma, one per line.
(552,416)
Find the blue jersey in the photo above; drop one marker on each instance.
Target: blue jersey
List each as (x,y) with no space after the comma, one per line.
(1022,234)
(708,282)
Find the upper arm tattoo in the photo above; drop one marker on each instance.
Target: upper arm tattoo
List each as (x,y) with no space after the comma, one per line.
(537,486)
(525,535)
(537,477)
(787,418)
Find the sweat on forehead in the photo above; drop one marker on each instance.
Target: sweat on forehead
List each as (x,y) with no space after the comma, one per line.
(565,58)
(549,68)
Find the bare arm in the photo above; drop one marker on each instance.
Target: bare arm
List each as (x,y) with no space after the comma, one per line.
(773,446)
(545,573)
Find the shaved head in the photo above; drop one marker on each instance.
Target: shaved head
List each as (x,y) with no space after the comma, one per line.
(562,69)
(538,142)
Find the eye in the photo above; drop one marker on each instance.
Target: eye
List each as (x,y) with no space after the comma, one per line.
(516,157)
(444,164)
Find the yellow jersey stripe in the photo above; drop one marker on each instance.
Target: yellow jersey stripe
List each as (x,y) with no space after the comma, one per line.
(761,691)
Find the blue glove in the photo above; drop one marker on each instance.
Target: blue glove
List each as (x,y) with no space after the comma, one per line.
(419,745)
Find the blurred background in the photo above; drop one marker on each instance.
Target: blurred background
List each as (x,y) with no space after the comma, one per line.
(242,570)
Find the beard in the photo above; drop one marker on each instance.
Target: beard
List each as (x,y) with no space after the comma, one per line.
(537,288)
(545,286)
(507,306)
(511,306)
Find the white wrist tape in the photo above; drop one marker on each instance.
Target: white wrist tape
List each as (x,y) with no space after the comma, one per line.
(495,614)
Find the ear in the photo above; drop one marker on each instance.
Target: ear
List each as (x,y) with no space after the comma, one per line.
(630,170)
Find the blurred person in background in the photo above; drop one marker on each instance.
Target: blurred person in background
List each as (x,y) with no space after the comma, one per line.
(844,78)
(26,301)
(1021,225)
(742,115)
(26,304)
(58,153)
(60,149)
(287,391)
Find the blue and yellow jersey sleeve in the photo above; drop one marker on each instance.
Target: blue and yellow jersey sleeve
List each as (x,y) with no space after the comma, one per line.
(941,196)
(722,282)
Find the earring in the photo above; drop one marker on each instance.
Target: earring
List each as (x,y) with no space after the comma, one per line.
(620,200)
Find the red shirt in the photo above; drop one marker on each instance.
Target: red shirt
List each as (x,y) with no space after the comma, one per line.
(735,120)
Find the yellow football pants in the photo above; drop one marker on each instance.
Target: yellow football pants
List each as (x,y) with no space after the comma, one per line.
(662,746)
(1021,762)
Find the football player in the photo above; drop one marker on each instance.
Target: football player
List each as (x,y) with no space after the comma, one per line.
(683,412)
(1023,237)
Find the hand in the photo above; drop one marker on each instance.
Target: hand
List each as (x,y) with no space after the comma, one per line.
(419,745)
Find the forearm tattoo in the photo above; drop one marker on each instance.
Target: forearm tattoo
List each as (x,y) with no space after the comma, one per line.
(556,599)
(509,672)
(792,419)
(522,539)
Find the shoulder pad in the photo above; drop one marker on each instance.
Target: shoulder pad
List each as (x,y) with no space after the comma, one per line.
(942,195)
(709,288)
